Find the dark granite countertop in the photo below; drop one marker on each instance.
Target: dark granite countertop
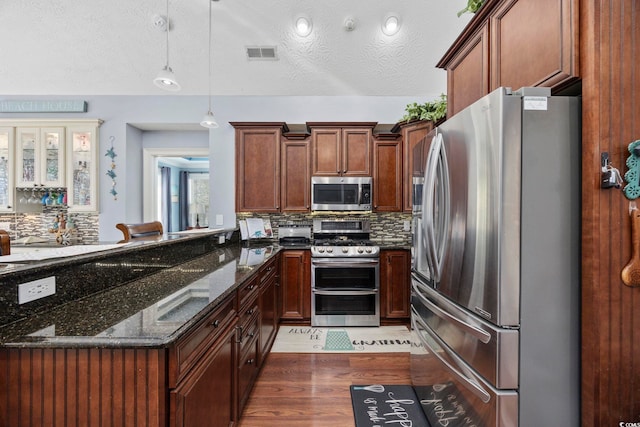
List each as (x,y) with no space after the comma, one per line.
(152,311)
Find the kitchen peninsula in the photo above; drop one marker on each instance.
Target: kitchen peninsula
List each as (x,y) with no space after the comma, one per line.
(138,334)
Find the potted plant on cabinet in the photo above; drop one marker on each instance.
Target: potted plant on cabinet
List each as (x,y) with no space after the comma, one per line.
(434,110)
(472,6)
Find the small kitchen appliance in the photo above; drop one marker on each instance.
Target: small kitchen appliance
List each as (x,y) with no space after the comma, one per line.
(294,234)
(341,193)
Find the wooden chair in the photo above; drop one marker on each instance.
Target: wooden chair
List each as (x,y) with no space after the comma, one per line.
(5,243)
(143,231)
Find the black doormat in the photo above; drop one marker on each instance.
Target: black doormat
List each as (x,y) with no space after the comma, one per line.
(386,405)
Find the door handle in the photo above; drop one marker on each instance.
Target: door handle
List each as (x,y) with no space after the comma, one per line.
(480,334)
(467,380)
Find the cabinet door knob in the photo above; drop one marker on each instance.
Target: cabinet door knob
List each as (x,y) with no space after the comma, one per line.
(215,323)
(250,362)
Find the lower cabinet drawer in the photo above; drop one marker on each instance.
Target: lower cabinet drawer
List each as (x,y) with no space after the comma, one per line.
(247,371)
(249,330)
(189,349)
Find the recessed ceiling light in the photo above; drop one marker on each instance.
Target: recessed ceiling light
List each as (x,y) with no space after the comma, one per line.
(391,24)
(303,26)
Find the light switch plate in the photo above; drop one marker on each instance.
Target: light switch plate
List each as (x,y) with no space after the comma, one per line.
(219,219)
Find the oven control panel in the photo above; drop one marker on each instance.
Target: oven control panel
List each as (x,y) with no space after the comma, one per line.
(345,251)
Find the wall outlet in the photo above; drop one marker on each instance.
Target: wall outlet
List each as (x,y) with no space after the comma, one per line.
(219,219)
(221,239)
(36,289)
(407,226)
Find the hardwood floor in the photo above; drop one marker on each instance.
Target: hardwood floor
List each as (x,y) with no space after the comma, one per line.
(312,390)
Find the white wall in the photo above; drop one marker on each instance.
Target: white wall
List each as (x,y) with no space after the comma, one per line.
(121,112)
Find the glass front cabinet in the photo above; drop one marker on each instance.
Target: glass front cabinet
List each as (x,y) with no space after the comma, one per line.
(50,154)
(7,192)
(40,157)
(82,167)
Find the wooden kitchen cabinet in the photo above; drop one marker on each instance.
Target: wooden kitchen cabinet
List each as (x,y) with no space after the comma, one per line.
(341,151)
(206,397)
(296,176)
(295,286)
(258,166)
(412,132)
(387,174)
(534,43)
(268,306)
(395,285)
(467,70)
(513,43)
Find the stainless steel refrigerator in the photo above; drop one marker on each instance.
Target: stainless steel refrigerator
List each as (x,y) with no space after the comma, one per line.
(496,263)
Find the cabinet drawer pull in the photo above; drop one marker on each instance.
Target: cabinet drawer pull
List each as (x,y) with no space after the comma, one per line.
(215,323)
(250,287)
(250,361)
(252,334)
(250,312)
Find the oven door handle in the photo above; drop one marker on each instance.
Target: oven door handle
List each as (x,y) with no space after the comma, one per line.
(342,292)
(349,263)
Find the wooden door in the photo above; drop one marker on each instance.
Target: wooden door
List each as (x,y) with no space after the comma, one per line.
(534,43)
(411,135)
(296,176)
(395,289)
(468,72)
(356,151)
(192,402)
(387,176)
(295,285)
(326,151)
(258,169)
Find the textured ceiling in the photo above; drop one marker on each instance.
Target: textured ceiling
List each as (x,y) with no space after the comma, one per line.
(79,47)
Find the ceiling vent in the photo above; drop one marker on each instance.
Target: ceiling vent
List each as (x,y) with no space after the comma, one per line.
(264,53)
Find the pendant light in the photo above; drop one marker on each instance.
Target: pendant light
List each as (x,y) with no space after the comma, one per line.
(209,121)
(166,79)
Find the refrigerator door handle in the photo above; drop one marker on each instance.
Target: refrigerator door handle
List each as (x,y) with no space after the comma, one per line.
(480,334)
(428,237)
(442,226)
(465,379)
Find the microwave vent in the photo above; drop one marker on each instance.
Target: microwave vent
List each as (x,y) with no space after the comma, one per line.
(265,53)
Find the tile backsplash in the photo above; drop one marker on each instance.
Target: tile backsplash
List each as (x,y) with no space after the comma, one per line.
(384,226)
(38,224)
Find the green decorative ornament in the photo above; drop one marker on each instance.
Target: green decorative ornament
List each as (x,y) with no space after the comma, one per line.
(632,176)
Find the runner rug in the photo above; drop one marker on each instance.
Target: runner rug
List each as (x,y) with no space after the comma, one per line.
(383,339)
(386,405)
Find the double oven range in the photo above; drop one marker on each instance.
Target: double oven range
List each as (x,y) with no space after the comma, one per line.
(345,280)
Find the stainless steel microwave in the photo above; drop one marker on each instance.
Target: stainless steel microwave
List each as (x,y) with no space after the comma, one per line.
(337,193)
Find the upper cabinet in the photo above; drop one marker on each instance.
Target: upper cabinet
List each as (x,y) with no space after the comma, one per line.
(295,189)
(341,151)
(50,154)
(82,168)
(411,132)
(6,168)
(258,166)
(40,157)
(513,43)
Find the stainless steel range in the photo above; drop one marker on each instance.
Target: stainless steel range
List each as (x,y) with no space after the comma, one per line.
(345,282)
